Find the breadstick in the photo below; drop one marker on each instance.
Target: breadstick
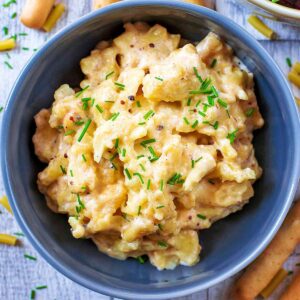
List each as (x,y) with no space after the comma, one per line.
(101,3)
(293,290)
(265,267)
(35,12)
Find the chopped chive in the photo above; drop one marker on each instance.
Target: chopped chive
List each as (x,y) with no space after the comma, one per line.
(86,126)
(288,62)
(78,123)
(63,170)
(249,112)
(189,101)
(140,156)
(80,92)
(32,294)
(194,125)
(99,108)
(25,48)
(124,152)
(93,101)
(114,116)
(198,103)
(139,176)
(201,113)
(109,101)
(120,86)
(162,244)
(71,173)
(83,157)
(109,74)
(175,179)
(160,226)
(222,103)
(5,30)
(41,287)
(141,260)
(186,121)
(8,3)
(201,216)
(155,157)
(127,173)
(114,166)
(159,78)
(22,34)
(117,143)
(146,142)
(193,164)
(198,159)
(138,104)
(149,114)
(161,186)
(1,108)
(69,132)
(142,167)
(232,136)
(159,206)
(30,257)
(13,15)
(210,100)
(214,125)
(214,91)
(19,234)
(142,123)
(60,127)
(139,210)
(84,188)
(114,156)
(8,65)
(213,63)
(7,55)
(227,112)
(14,37)
(148,184)
(80,202)
(197,74)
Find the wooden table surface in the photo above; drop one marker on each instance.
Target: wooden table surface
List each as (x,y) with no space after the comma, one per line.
(19,275)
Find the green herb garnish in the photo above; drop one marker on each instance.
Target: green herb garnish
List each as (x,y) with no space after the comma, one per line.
(117,143)
(222,103)
(8,3)
(30,257)
(149,114)
(69,132)
(71,173)
(83,157)
(86,126)
(202,217)
(194,125)
(5,30)
(162,244)
(142,167)
(160,206)
(213,63)
(79,123)
(139,210)
(109,74)
(288,62)
(175,179)
(189,101)
(80,92)
(186,121)
(249,112)
(8,65)
(139,176)
(19,234)
(41,287)
(197,74)
(120,86)
(138,104)
(146,142)
(114,116)
(148,184)
(13,15)
(32,294)
(232,136)
(63,170)
(159,78)
(161,185)
(127,173)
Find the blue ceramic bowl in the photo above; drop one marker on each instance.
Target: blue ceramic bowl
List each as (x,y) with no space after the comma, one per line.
(230,244)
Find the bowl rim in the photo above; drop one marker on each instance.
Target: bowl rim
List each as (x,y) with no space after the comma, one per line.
(277,9)
(193,287)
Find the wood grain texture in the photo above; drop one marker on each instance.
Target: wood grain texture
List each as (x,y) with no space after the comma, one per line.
(19,275)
